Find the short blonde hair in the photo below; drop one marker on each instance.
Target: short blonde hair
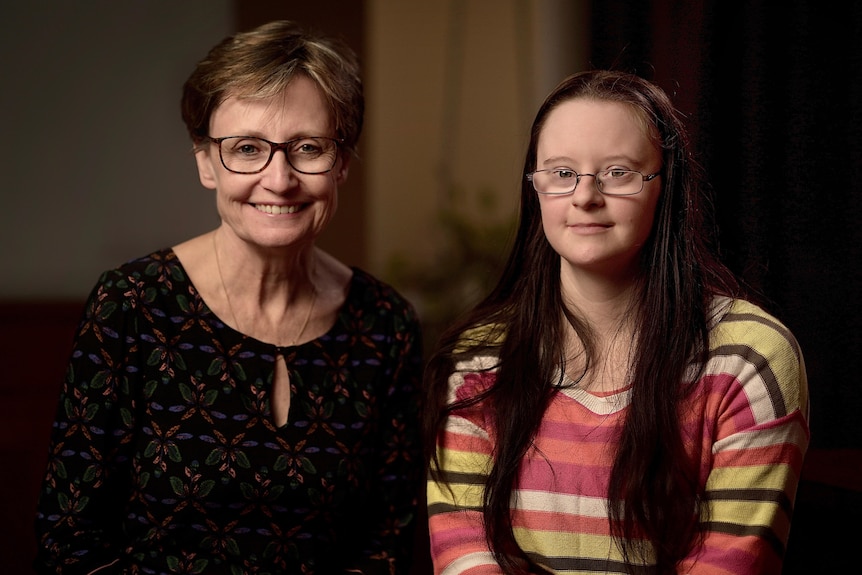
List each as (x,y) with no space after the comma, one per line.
(261,63)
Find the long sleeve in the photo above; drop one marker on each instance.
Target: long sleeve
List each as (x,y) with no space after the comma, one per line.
(754,443)
(746,424)
(455,519)
(83,493)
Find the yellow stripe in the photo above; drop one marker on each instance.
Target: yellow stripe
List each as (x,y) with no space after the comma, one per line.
(759,513)
(460,494)
(767,476)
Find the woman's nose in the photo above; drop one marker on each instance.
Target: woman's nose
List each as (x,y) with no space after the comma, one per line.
(586,191)
(280,175)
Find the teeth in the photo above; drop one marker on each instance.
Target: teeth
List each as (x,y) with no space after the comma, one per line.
(269,209)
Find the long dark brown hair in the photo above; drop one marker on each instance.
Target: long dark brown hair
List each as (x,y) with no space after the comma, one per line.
(654,491)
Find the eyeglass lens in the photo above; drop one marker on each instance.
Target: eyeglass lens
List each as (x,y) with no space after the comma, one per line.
(247,155)
(610,182)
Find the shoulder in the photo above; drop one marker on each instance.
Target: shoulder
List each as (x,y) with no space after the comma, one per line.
(151,266)
(370,292)
(472,377)
(746,339)
(738,323)
(481,337)
(137,284)
(142,278)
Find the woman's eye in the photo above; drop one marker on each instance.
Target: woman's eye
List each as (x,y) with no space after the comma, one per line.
(307,147)
(247,147)
(565,174)
(615,174)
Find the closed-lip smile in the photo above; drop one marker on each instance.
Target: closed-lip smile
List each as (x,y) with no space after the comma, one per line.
(590,226)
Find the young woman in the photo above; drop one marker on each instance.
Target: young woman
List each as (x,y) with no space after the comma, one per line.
(614,405)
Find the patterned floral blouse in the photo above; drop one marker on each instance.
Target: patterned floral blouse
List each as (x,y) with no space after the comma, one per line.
(164,457)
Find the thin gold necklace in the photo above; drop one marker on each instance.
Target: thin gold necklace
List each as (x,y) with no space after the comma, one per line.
(230,305)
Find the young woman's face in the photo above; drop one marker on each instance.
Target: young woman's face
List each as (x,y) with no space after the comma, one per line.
(593,232)
(278,206)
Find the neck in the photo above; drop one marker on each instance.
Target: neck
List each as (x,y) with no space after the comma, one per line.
(271,311)
(606,305)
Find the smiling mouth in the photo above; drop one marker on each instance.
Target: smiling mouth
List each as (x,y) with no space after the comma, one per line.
(271,209)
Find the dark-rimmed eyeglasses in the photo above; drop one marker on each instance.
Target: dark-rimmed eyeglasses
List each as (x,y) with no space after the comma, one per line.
(613,182)
(251,155)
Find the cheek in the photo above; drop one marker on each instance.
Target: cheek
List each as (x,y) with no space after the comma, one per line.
(332,202)
(553,220)
(546,208)
(327,195)
(553,212)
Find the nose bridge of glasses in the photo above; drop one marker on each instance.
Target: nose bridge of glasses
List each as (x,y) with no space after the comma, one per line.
(284,147)
(597,181)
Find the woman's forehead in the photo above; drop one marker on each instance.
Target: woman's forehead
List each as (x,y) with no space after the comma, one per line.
(301,106)
(584,125)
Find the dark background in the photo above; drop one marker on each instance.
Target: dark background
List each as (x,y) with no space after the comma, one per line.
(773,93)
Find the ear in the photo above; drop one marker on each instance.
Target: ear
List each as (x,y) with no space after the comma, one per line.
(343,166)
(206,170)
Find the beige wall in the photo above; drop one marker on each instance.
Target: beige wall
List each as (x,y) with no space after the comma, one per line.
(452,89)
(443,113)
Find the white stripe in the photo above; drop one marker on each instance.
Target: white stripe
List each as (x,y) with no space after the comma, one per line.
(776,435)
(470,561)
(753,385)
(462,426)
(561,503)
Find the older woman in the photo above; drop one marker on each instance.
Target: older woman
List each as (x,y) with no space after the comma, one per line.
(244,402)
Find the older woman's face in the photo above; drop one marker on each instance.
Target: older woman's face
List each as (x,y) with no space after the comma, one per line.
(593,232)
(278,206)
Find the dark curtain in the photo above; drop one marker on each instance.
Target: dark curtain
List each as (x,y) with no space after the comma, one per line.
(773,93)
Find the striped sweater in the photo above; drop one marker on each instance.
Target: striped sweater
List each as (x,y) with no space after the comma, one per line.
(748,419)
